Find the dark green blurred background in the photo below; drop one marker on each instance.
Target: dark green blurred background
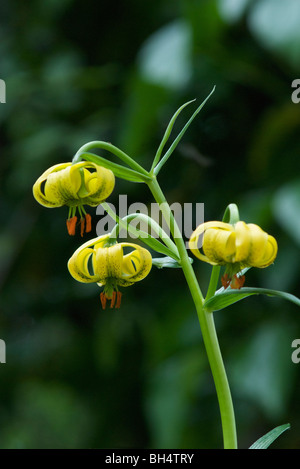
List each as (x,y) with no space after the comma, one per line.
(138,377)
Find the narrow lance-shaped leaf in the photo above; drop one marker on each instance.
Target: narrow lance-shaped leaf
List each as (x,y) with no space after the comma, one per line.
(179,136)
(265,441)
(153,243)
(167,134)
(155,227)
(229,296)
(111,149)
(118,170)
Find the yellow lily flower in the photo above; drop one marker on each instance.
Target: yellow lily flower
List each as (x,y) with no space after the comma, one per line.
(236,246)
(74,185)
(107,265)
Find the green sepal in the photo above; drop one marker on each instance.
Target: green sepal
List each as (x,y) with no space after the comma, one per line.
(265,441)
(224,298)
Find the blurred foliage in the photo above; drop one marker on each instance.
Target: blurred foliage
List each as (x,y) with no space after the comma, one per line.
(80,377)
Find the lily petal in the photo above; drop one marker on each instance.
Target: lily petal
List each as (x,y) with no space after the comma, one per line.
(74,184)
(200,231)
(94,261)
(241,244)
(78,263)
(136,265)
(40,189)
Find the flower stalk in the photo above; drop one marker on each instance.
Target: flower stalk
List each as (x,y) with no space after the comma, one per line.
(206,321)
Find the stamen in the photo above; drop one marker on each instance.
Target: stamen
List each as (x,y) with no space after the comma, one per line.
(119,297)
(71,225)
(82,225)
(237,282)
(113,299)
(225,281)
(103,300)
(88,223)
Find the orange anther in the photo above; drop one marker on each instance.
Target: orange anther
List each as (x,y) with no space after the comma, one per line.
(88,223)
(103,300)
(225,281)
(71,225)
(113,299)
(82,225)
(119,297)
(237,282)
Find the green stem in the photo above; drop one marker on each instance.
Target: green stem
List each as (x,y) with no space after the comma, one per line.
(207,325)
(213,283)
(112,149)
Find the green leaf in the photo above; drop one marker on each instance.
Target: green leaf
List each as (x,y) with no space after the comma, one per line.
(225,298)
(118,170)
(168,247)
(125,223)
(180,135)
(154,243)
(167,134)
(111,149)
(265,441)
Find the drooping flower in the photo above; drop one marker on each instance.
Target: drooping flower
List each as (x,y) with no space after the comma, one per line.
(236,246)
(110,266)
(74,185)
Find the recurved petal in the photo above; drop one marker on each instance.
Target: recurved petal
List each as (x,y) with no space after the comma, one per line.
(40,190)
(136,265)
(257,246)
(219,245)
(98,184)
(270,252)
(81,265)
(243,242)
(202,231)
(64,185)
(78,266)
(58,186)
